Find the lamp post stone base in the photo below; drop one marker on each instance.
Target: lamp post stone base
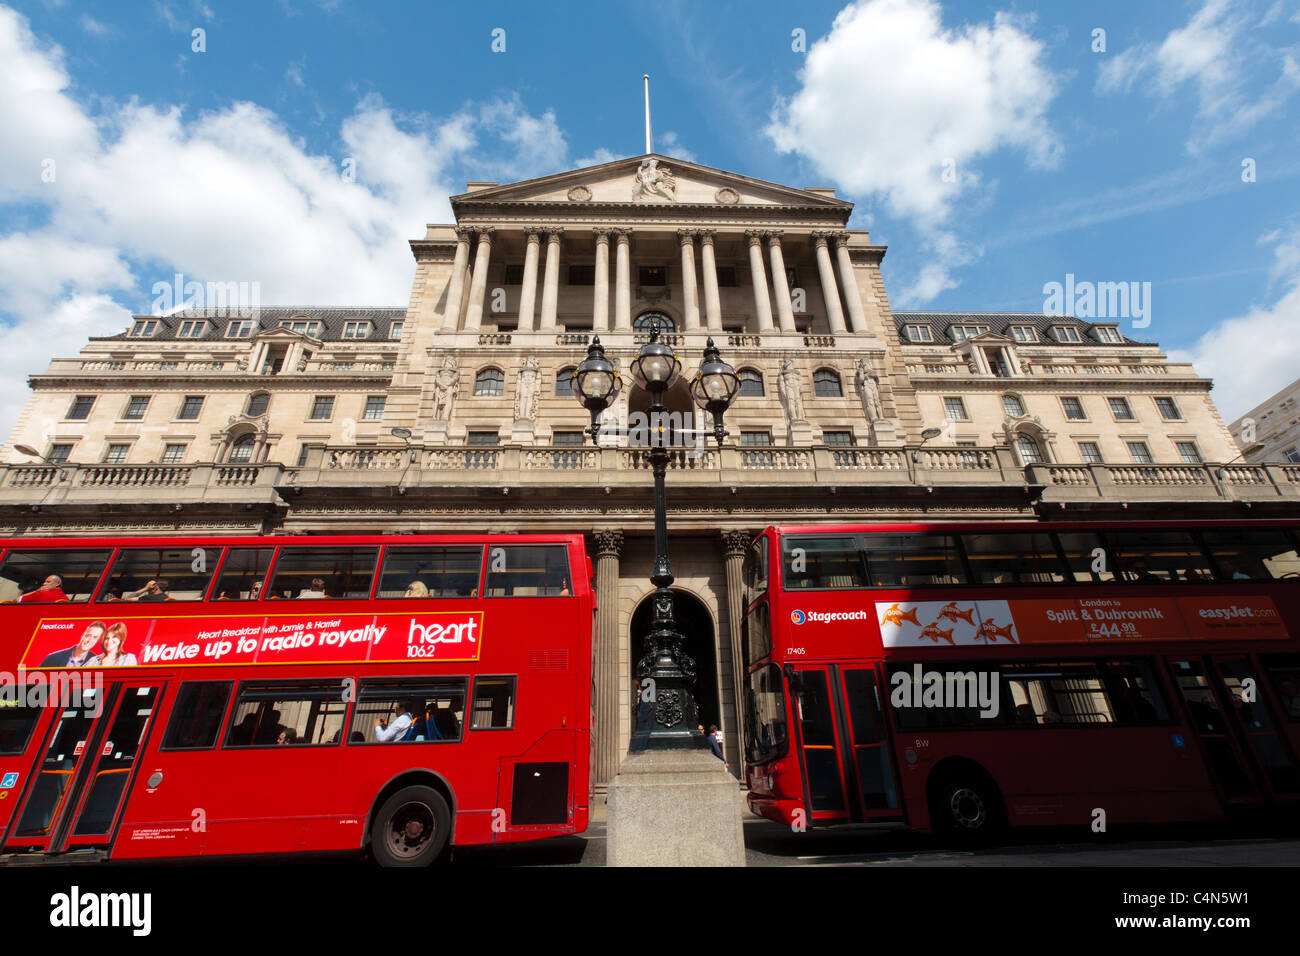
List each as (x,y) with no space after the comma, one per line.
(674,808)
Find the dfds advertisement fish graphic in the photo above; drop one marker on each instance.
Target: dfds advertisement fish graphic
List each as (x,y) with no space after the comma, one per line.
(931,623)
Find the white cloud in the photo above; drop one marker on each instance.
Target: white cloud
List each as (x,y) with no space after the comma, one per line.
(91,25)
(670,145)
(1251,356)
(144,191)
(890,101)
(597,158)
(1220,53)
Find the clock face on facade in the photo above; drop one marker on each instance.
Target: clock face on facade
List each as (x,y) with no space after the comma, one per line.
(646,320)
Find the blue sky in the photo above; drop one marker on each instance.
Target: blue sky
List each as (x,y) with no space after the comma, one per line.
(990,145)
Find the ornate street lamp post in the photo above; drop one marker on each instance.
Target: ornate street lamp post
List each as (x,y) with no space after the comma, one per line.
(666,717)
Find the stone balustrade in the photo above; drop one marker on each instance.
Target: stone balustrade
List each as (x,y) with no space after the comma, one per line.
(163,485)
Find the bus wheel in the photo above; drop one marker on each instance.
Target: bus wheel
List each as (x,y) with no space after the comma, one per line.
(411,828)
(967,808)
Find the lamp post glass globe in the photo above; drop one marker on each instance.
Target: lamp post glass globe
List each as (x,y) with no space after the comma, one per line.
(596,383)
(715,387)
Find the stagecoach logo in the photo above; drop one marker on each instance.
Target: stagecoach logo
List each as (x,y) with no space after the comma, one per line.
(797,617)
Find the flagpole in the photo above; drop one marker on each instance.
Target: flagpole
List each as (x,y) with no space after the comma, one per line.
(646,79)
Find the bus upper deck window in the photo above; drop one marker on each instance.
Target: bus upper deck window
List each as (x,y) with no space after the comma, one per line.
(529,570)
(51,576)
(431,571)
(160,574)
(323,572)
(811,562)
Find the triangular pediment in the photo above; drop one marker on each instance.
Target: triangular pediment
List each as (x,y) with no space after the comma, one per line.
(284,335)
(661,181)
(987,338)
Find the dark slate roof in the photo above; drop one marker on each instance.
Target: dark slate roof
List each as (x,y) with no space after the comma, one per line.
(1001,322)
(331,321)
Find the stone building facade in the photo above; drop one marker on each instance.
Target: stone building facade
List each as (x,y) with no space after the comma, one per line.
(1271,430)
(284,420)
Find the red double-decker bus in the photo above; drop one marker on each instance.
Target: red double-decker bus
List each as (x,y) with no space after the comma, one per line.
(177,697)
(963,677)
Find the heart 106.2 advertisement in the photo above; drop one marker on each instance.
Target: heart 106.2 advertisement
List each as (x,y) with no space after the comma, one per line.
(249,639)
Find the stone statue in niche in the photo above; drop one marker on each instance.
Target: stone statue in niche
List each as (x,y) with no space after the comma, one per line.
(653,180)
(529,387)
(868,383)
(789,387)
(446,383)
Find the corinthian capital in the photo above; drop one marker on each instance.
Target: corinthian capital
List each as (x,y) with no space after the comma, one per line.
(755,236)
(609,543)
(736,543)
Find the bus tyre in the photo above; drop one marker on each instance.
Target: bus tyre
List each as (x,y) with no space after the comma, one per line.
(411,828)
(966,808)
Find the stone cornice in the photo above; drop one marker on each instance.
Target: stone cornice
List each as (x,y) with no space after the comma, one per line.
(191,381)
(517,214)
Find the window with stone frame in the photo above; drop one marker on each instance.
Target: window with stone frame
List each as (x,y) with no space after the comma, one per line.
(482,439)
(751,383)
(173,453)
(490,382)
(79,411)
(1090,452)
(827,384)
(837,439)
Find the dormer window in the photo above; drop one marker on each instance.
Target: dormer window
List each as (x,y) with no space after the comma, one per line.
(191,329)
(1066,333)
(1108,334)
(356,330)
(395,331)
(962,332)
(239,330)
(1024,333)
(144,328)
(919,333)
(305,326)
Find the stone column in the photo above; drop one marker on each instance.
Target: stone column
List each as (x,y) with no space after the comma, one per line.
(735,544)
(528,291)
(622,282)
(762,304)
(712,304)
(849,282)
(609,547)
(456,289)
(830,292)
(780,284)
(690,288)
(600,297)
(478,285)
(551,285)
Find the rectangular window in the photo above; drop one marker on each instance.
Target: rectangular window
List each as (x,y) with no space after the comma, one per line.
(792,277)
(1013,406)
(1168,409)
(1073,408)
(322,409)
(755,439)
(1108,334)
(23,572)
(59,453)
(1119,408)
(1019,558)
(420,710)
(837,439)
(919,333)
(652,275)
(307,328)
(136,406)
(1090,452)
(81,406)
(1140,453)
(1024,333)
(356,330)
(116,454)
(1057,694)
(144,327)
(514,274)
(582,275)
(482,439)
(323,572)
(959,705)
(191,329)
(912,560)
(567,439)
(374,410)
(395,331)
(726,277)
(1066,333)
(1160,556)
(275,714)
(243,574)
(822,561)
(429,571)
(17,721)
(1252,555)
(239,330)
(196,716)
(528,571)
(303,451)
(766,724)
(1188,452)
(955,409)
(494,703)
(173,454)
(152,575)
(191,406)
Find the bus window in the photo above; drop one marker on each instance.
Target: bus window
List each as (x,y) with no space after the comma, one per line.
(16,722)
(396,711)
(1013,558)
(445,572)
(950,701)
(25,576)
(912,560)
(160,574)
(811,562)
(765,720)
(1087,556)
(272,714)
(1158,556)
(323,572)
(757,627)
(243,574)
(528,571)
(1134,692)
(196,716)
(1257,554)
(1284,672)
(754,571)
(1057,693)
(494,703)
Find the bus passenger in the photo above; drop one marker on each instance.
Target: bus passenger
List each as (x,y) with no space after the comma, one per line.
(48,593)
(255,591)
(417,590)
(152,591)
(397,729)
(317,589)
(287,736)
(113,655)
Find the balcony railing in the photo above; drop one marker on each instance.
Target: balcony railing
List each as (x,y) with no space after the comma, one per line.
(162,485)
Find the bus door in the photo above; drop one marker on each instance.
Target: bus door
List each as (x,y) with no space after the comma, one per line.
(843,746)
(1248,758)
(80,784)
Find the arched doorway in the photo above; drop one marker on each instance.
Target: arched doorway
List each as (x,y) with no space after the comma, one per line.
(696,623)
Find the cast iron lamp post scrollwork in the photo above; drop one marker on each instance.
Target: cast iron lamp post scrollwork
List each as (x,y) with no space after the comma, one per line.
(666,715)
